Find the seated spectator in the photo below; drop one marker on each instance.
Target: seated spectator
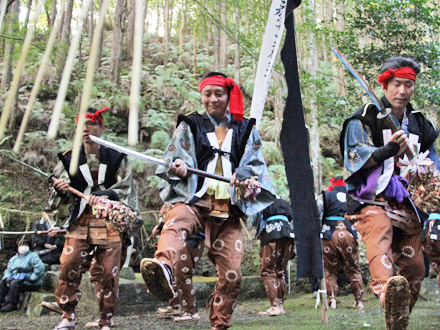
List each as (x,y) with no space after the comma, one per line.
(48,248)
(24,273)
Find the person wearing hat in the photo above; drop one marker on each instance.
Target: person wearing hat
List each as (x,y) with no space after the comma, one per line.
(24,273)
(102,173)
(218,141)
(378,202)
(339,244)
(48,248)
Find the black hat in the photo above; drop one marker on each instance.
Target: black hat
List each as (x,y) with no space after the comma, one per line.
(23,240)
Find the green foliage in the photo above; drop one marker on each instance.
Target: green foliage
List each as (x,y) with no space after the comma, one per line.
(272,154)
(329,168)
(159,140)
(279,181)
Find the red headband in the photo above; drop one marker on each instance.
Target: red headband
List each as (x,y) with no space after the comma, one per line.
(235,99)
(95,116)
(405,72)
(335,183)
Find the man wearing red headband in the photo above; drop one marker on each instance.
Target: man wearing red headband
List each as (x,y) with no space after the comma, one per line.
(218,141)
(378,202)
(339,244)
(102,173)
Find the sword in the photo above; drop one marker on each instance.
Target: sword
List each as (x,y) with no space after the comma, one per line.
(383,112)
(50,178)
(38,232)
(154,160)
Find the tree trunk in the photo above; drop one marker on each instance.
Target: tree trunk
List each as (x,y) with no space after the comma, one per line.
(91,23)
(28,13)
(237,44)
(54,12)
(65,32)
(340,71)
(278,105)
(195,51)
(157,20)
(312,65)
(129,36)
(145,17)
(101,41)
(223,36)
(166,16)
(65,37)
(216,36)
(11,23)
(182,30)
(115,55)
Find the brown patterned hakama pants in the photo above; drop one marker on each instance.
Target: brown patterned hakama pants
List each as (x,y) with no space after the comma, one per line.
(274,258)
(432,250)
(183,273)
(388,246)
(342,248)
(225,244)
(75,259)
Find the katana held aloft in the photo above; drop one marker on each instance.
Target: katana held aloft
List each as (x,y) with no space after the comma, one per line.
(384,113)
(252,189)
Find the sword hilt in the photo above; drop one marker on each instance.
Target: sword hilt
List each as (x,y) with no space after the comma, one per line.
(208,175)
(78,193)
(391,124)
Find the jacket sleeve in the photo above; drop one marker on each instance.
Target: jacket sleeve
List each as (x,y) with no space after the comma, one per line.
(61,203)
(37,268)
(8,270)
(125,187)
(253,159)
(182,146)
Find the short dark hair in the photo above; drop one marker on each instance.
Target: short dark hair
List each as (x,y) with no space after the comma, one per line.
(211,74)
(400,62)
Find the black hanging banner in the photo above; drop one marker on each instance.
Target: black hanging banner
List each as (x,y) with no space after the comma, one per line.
(295,147)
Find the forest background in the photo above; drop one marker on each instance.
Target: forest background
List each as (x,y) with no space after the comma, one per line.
(182,41)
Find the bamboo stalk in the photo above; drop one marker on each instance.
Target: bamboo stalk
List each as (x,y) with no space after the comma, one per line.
(2,12)
(324,302)
(91,65)
(136,71)
(65,79)
(38,80)
(18,70)
(243,225)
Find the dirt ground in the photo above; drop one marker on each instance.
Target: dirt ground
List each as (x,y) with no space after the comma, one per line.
(301,314)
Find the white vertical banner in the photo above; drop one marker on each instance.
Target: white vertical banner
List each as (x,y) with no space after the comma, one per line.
(269,49)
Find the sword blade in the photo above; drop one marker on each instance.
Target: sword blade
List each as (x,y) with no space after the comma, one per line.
(31,167)
(127,151)
(155,160)
(359,78)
